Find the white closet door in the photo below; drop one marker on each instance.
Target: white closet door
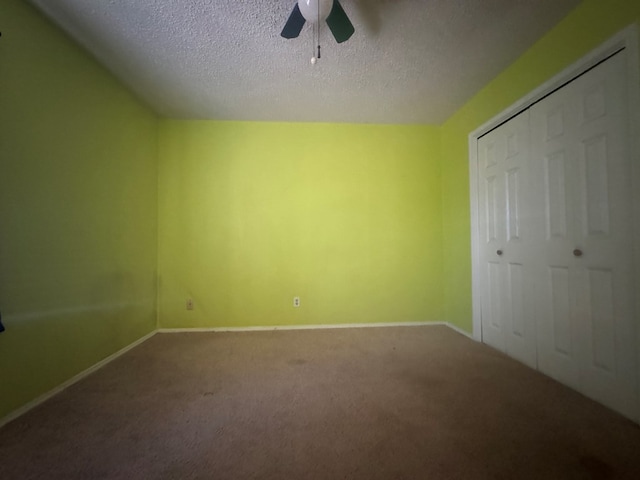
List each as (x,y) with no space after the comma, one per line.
(505,251)
(585,280)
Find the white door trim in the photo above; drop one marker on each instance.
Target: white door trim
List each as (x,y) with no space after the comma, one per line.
(627,39)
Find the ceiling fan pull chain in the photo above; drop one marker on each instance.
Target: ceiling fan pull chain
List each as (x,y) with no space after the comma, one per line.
(315,34)
(318,30)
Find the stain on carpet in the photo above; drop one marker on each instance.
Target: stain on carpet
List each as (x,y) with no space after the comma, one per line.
(297,361)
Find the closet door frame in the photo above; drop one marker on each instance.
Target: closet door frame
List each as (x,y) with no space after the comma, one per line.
(627,39)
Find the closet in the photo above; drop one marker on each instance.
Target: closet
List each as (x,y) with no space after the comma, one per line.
(556,237)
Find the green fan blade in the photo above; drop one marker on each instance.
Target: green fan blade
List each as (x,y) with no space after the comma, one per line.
(339,23)
(294,25)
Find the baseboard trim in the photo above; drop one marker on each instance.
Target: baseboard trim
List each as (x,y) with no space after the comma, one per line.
(299,327)
(51,393)
(317,327)
(460,331)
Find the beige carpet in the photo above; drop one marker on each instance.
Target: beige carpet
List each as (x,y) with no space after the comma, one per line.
(377,403)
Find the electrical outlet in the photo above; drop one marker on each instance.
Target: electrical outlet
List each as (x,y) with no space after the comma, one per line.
(296,301)
(189,304)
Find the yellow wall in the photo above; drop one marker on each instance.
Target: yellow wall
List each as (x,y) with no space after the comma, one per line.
(366,223)
(589,25)
(348,217)
(78,186)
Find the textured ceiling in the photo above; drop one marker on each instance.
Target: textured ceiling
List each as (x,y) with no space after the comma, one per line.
(409,61)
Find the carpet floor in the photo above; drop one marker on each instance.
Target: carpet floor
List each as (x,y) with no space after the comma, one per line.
(374,403)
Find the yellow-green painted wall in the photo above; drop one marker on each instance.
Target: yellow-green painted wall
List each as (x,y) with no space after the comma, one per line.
(366,223)
(348,217)
(589,25)
(78,209)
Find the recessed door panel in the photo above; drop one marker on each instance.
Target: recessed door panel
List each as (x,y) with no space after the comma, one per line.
(596,188)
(594,102)
(560,309)
(513,148)
(492,208)
(517,297)
(490,155)
(602,319)
(556,195)
(494,282)
(554,122)
(513,203)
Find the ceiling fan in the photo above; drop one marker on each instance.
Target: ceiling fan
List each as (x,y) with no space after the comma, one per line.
(315,11)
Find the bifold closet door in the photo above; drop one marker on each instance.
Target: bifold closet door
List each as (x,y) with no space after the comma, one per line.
(584,274)
(506,251)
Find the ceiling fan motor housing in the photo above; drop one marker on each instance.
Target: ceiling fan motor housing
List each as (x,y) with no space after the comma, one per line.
(311,8)
(315,11)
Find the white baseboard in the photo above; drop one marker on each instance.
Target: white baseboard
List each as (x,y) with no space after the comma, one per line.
(459,330)
(299,327)
(46,396)
(316,327)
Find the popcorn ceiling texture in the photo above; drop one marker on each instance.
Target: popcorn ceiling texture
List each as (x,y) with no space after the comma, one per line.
(410,61)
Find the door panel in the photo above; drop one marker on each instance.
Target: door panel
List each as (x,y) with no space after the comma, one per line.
(504,189)
(585,320)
